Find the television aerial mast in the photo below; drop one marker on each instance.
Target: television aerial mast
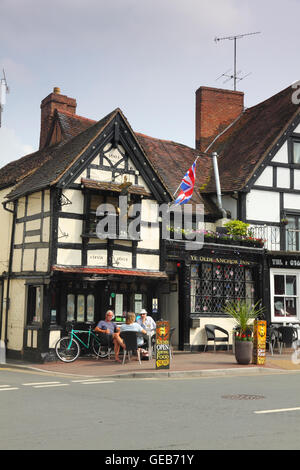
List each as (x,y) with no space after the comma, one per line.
(3,90)
(235,73)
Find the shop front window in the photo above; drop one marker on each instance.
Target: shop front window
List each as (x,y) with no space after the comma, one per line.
(285,296)
(213,285)
(80,307)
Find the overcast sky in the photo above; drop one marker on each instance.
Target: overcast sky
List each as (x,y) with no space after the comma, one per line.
(146,57)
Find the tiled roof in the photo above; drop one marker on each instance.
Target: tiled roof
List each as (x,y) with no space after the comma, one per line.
(244,146)
(54,161)
(169,159)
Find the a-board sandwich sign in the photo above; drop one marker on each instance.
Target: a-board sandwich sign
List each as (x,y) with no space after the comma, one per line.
(162,359)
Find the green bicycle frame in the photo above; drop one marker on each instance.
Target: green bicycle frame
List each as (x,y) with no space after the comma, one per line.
(89,333)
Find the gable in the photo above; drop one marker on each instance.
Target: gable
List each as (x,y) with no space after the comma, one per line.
(112,156)
(275,169)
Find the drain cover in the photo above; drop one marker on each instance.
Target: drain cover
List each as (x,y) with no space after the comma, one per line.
(243,397)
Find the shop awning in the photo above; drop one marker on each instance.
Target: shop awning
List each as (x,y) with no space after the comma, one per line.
(109,271)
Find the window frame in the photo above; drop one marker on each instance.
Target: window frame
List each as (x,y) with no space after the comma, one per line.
(284,272)
(31,318)
(76,294)
(107,196)
(296,215)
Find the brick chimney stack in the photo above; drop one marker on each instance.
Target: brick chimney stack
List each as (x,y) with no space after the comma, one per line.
(215,110)
(54,101)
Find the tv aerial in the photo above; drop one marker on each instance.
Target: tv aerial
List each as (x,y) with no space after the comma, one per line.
(3,91)
(235,75)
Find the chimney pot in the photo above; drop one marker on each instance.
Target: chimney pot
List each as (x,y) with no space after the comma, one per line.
(56,90)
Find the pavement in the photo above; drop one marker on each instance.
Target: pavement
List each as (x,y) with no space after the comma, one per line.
(183,364)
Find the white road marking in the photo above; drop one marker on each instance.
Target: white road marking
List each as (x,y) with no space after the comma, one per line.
(10,388)
(40,383)
(87,381)
(98,382)
(2,386)
(51,385)
(279,410)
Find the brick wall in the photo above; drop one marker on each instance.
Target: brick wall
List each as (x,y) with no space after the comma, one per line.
(215,110)
(48,105)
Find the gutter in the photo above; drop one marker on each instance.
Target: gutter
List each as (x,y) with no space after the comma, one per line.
(8,276)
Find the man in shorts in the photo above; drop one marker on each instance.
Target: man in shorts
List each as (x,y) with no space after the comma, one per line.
(108,328)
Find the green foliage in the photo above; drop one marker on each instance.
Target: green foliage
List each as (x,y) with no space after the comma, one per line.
(237,228)
(243,313)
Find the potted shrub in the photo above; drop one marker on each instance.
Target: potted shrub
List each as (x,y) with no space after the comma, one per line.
(237,229)
(244,313)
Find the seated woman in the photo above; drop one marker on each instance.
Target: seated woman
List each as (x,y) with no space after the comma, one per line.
(130,325)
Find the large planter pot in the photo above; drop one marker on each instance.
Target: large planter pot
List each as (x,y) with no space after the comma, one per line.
(243,352)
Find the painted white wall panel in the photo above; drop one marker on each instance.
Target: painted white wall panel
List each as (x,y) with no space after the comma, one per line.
(68,257)
(150,262)
(76,199)
(69,230)
(283,177)
(150,238)
(229,204)
(122,259)
(292,201)
(297,179)
(282,154)
(42,255)
(97,258)
(266,178)
(263,206)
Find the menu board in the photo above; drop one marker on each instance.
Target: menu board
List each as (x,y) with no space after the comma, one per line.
(259,342)
(162,345)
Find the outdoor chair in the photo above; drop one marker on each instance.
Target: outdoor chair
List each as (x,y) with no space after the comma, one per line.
(170,341)
(286,335)
(271,339)
(130,340)
(211,336)
(106,343)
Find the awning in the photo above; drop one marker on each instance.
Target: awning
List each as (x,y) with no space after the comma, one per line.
(109,271)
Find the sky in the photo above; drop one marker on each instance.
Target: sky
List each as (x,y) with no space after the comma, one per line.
(147,57)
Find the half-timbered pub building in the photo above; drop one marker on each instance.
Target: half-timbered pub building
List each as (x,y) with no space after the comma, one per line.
(57,268)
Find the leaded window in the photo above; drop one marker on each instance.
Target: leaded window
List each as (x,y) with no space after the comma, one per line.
(212,285)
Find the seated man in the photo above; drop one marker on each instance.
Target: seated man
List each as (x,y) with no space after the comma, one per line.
(109,328)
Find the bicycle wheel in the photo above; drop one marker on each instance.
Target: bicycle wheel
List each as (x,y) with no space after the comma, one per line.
(99,349)
(67,349)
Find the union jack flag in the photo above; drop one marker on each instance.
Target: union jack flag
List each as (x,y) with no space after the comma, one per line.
(187,185)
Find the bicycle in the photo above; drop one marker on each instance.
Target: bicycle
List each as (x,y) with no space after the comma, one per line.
(67,348)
